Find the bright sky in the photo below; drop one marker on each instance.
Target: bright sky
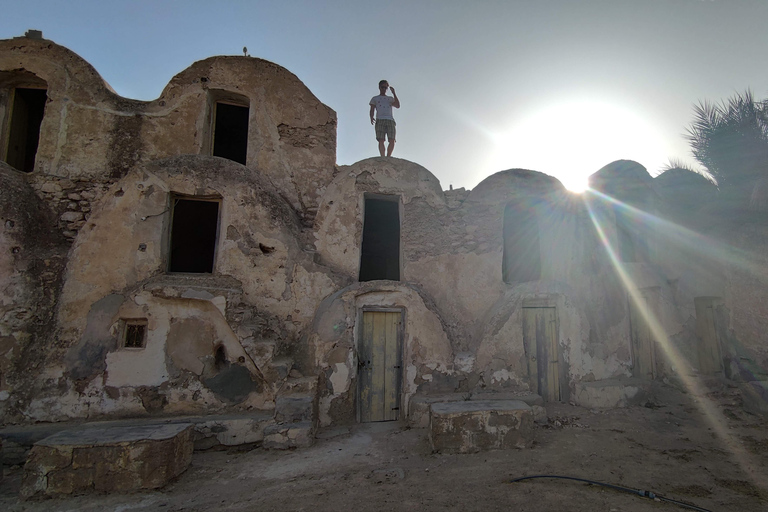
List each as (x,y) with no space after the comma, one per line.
(558,86)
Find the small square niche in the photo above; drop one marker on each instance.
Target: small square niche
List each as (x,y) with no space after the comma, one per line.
(134,333)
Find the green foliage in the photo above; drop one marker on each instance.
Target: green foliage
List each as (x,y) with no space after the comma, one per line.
(730,139)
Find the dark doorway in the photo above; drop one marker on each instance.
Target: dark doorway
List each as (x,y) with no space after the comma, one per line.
(230,132)
(380,258)
(522,255)
(26,117)
(193,235)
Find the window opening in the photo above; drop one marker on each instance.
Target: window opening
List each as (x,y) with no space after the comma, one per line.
(26,117)
(230,132)
(135,334)
(194,227)
(521,261)
(380,252)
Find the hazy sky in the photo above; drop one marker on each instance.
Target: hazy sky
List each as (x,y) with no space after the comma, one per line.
(562,87)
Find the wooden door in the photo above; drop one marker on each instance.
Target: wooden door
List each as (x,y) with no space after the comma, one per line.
(541,348)
(710,357)
(641,335)
(379,363)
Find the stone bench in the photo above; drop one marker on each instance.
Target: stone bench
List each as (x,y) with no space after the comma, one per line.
(419,405)
(110,459)
(611,393)
(472,426)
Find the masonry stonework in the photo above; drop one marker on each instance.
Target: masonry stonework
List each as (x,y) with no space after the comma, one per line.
(274,324)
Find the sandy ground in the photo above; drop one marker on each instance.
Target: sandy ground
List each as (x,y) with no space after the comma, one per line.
(668,446)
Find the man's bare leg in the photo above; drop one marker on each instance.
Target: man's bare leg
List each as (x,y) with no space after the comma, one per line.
(390,147)
(381,148)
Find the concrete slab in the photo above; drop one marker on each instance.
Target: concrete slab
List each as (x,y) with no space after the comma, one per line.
(111,459)
(471,426)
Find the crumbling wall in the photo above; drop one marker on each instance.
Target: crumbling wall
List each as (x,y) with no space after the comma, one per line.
(31,262)
(255,305)
(90,137)
(288,254)
(428,356)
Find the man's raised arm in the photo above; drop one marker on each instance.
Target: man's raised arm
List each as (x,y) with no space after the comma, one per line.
(395,103)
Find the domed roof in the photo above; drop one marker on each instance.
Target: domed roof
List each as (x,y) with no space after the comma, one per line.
(625,180)
(504,185)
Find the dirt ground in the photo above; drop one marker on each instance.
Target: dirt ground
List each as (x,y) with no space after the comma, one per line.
(668,446)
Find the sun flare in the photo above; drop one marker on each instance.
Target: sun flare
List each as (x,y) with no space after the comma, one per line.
(572,140)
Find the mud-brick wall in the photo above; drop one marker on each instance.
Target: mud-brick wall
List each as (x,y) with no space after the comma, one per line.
(32,258)
(90,137)
(255,305)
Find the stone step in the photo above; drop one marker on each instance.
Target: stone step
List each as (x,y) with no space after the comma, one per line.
(296,407)
(209,431)
(471,426)
(300,385)
(291,435)
(418,407)
(109,459)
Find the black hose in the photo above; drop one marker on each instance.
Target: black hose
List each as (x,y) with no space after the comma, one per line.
(639,492)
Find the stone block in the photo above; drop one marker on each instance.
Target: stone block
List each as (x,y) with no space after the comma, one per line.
(109,459)
(290,435)
(281,366)
(230,431)
(539,414)
(611,393)
(471,426)
(523,396)
(295,408)
(418,406)
(300,385)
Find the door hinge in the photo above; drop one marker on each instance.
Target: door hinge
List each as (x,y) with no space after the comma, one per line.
(395,408)
(397,366)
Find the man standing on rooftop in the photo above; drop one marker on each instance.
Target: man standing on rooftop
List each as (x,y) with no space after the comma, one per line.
(385,123)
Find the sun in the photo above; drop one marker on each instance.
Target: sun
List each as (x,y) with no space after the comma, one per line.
(573,139)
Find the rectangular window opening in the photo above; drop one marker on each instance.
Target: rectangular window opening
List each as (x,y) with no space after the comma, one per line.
(194,230)
(380,252)
(230,131)
(521,260)
(26,117)
(134,334)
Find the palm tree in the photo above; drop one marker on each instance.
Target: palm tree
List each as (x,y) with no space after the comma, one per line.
(730,139)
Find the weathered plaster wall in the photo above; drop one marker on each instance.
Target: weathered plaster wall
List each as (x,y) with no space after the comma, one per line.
(428,355)
(260,267)
(284,284)
(90,137)
(31,263)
